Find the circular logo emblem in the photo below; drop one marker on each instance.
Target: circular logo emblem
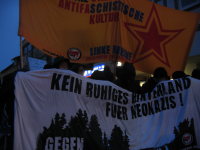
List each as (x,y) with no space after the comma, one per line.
(74,54)
(187,139)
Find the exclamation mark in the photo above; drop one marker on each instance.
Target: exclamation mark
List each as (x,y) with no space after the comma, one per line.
(181,99)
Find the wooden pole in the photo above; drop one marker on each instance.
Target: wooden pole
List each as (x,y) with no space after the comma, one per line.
(21,52)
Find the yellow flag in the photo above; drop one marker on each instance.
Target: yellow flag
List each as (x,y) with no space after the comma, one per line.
(88,31)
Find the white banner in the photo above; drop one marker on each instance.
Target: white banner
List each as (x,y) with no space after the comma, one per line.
(36,64)
(61,110)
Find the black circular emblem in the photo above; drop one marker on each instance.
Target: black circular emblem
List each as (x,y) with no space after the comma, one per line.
(74,54)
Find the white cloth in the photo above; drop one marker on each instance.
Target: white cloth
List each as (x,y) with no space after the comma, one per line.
(42,94)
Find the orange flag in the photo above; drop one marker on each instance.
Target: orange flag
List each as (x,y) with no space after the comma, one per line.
(88,31)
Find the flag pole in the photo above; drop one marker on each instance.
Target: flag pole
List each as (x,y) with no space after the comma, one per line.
(21,52)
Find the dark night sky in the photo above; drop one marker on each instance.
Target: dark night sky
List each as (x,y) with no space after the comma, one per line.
(9,39)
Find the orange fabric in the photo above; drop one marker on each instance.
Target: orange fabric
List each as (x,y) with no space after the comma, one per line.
(88,31)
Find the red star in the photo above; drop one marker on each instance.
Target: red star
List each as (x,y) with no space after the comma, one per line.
(154,41)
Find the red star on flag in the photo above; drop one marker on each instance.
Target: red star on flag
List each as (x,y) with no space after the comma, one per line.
(152,38)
